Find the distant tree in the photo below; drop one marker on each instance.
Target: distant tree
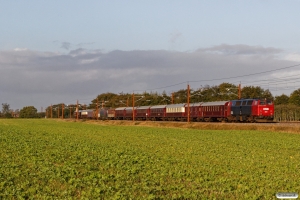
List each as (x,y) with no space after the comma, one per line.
(252,92)
(6,110)
(106,100)
(281,100)
(295,98)
(28,112)
(228,91)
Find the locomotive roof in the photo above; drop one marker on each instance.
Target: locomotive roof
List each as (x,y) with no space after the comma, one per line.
(249,99)
(214,103)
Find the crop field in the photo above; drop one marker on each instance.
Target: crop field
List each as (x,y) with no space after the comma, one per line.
(52,159)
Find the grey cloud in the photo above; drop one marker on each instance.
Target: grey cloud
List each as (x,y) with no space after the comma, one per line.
(85,44)
(44,78)
(240,49)
(65,45)
(175,36)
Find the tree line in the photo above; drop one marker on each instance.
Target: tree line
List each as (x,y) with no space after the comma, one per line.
(287,108)
(26,112)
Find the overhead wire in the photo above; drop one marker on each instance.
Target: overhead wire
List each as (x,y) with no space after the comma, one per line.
(227,78)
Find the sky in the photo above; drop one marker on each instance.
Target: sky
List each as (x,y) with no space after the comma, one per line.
(62,51)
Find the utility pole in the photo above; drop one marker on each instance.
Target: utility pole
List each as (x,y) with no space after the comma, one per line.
(97,111)
(188,102)
(77,111)
(70,108)
(62,111)
(133,106)
(239,90)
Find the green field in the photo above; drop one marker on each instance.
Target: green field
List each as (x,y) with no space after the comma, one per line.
(42,159)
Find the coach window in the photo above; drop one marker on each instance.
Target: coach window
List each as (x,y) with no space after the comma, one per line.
(249,103)
(244,103)
(238,103)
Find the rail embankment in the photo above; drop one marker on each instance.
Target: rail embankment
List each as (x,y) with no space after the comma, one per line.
(288,127)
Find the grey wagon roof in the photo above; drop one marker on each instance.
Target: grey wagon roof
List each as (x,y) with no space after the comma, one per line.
(130,108)
(143,107)
(195,104)
(175,105)
(215,103)
(121,108)
(159,106)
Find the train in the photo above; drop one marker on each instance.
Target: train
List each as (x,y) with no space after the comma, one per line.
(241,110)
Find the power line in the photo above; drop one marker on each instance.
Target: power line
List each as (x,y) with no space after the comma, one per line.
(218,79)
(249,74)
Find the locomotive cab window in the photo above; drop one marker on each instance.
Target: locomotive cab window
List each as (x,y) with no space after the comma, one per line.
(249,103)
(262,102)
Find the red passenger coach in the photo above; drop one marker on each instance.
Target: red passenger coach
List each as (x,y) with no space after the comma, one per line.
(142,113)
(176,112)
(157,112)
(214,111)
(194,111)
(128,113)
(120,113)
(111,113)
